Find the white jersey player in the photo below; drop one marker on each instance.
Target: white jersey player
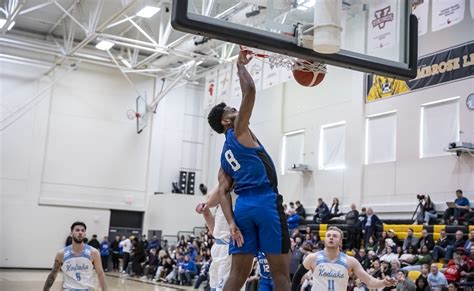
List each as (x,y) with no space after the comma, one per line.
(330,267)
(217,224)
(77,262)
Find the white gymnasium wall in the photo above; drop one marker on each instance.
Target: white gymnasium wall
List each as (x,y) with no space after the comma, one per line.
(24,223)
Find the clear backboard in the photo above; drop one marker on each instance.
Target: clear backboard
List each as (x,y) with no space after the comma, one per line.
(376,36)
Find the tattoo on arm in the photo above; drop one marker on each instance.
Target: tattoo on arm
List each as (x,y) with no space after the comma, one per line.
(52,276)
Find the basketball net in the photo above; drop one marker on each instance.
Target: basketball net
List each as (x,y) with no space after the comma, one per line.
(281,61)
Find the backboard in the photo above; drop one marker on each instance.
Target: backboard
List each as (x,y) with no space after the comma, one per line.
(378,36)
(141,113)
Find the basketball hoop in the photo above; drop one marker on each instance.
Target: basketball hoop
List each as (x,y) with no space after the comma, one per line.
(131,114)
(281,61)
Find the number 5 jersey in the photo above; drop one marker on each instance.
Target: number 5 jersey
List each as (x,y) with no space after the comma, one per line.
(78,269)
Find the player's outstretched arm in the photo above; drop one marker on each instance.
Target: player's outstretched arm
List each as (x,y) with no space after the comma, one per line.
(370,281)
(302,270)
(58,262)
(241,125)
(98,268)
(225,184)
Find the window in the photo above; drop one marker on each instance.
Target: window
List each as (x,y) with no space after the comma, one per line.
(380,134)
(293,147)
(331,146)
(439,126)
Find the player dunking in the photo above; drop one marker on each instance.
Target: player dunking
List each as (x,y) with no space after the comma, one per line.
(330,267)
(260,223)
(77,262)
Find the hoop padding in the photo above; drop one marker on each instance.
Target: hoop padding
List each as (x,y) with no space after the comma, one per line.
(327,26)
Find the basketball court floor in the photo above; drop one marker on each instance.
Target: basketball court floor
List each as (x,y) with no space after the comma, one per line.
(30,280)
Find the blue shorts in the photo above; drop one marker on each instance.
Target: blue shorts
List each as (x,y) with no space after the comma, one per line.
(262,221)
(265,284)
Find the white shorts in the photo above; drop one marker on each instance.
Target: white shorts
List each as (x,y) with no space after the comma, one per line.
(220,266)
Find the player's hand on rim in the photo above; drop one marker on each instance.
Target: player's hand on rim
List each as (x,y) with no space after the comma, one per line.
(245,56)
(237,237)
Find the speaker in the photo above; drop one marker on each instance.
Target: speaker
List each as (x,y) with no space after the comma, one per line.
(191,182)
(182,181)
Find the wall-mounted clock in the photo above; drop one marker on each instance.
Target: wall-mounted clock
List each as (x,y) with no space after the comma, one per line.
(470,101)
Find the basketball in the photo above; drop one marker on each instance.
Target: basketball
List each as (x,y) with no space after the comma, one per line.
(308,78)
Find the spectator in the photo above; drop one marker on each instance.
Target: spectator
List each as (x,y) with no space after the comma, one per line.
(441,246)
(363,259)
(104,253)
(68,241)
(467,269)
(458,243)
(391,235)
(203,276)
(292,206)
(409,257)
(138,258)
(469,242)
(370,225)
(151,264)
(293,220)
(115,253)
(436,279)
(461,207)
(334,211)
(410,240)
(427,212)
(94,242)
(425,240)
(359,286)
(154,243)
(188,271)
(453,271)
(296,257)
(353,227)
(300,209)
(390,256)
(321,212)
(126,249)
(371,245)
(421,284)
(403,284)
(144,242)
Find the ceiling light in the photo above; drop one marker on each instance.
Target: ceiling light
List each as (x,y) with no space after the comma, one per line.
(148,11)
(11,25)
(104,45)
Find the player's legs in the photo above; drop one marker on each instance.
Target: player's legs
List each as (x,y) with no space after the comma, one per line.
(224,272)
(280,270)
(240,270)
(274,239)
(265,285)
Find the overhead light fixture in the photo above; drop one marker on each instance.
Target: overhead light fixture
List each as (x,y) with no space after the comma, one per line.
(104,45)
(11,25)
(148,11)
(305,5)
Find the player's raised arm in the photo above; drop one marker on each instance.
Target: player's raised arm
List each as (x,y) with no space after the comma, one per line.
(370,281)
(58,262)
(241,125)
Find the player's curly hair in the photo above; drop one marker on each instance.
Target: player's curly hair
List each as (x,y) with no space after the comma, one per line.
(215,117)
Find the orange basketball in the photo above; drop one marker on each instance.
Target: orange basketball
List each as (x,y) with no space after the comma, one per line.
(308,78)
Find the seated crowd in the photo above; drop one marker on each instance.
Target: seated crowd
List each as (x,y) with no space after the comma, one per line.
(418,262)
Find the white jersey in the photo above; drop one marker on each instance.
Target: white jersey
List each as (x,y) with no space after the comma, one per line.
(330,275)
(221,227)
(78,269)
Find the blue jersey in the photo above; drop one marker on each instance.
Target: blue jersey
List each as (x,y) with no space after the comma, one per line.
(264,267)
(250,168)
